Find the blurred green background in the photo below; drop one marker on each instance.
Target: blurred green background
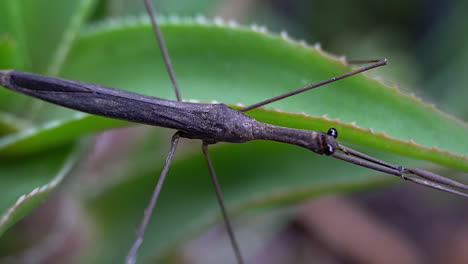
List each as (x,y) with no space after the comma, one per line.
(425,41)
(87,219)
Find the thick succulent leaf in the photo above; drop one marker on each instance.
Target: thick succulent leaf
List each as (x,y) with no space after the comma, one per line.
(34,36)
(179,7)
(27,181)
(240,65)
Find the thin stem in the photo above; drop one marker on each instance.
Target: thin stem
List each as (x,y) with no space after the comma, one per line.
(133,253)
(163,48)
(315,85)
(219,196)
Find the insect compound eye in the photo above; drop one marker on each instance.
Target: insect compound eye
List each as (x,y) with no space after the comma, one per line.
(333,132)
(329,150)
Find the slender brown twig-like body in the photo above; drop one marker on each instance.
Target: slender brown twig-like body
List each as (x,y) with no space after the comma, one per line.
(211,123)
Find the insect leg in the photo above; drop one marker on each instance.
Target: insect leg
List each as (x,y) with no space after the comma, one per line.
(377,63)
(436,178)
(132,254)
(429,179)
(163,48)
(219,196)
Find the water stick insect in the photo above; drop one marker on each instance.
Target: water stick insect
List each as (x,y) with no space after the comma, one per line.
(214,123)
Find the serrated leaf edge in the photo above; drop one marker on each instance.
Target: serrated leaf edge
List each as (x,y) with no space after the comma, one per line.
(8,140)
(135,21)
(371,131)
(66,168)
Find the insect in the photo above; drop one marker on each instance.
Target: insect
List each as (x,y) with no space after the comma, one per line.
(209,123)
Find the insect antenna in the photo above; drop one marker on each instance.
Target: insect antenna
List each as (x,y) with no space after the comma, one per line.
(133,253)
(375,64)
(429,179)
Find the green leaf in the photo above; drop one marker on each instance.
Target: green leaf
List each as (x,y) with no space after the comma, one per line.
(27,181)
(30,40)
(40,36)
(239,65)
(35,36)
(232,64)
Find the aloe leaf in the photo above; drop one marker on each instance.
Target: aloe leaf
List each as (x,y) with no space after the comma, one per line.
(34,36)
(26,182)
(242,65)
(232,64)
(31,40)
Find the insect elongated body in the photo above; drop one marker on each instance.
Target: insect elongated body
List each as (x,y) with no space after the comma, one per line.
(211,123)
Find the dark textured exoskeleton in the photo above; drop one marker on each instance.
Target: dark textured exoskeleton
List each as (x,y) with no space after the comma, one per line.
(211,123)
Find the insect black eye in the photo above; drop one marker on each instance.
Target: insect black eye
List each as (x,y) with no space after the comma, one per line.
(329,150)
(333,132)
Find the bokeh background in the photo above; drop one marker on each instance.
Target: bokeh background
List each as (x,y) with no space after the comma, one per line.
(426,43)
